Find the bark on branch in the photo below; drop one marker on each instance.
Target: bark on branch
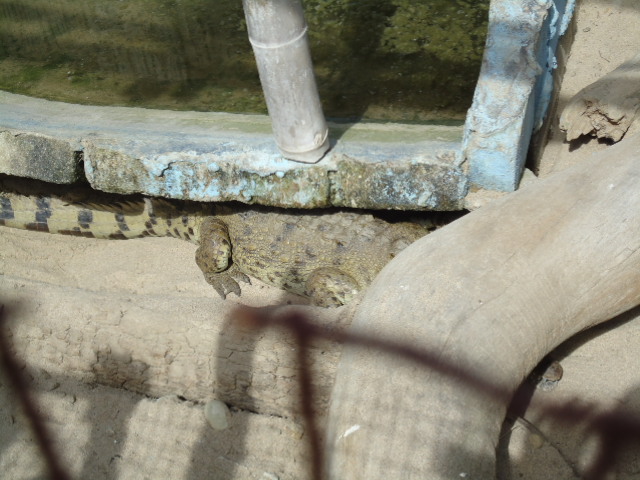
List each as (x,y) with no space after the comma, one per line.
(606,108)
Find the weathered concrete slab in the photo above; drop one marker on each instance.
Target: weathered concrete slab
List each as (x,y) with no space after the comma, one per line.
(39,157)
(221,157)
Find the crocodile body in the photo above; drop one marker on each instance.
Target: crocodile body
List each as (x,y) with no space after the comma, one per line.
(326,256)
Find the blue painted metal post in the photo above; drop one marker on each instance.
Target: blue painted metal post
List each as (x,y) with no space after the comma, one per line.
(514,88)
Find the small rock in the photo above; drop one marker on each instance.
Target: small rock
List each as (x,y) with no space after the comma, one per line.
(217,414)
(551,376)
(536,441)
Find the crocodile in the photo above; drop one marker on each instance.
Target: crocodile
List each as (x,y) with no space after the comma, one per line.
(327,256)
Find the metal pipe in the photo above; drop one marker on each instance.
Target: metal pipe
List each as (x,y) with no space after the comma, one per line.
(278,35)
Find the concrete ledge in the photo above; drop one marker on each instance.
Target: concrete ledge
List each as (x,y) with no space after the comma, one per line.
(39,157)
(221,157)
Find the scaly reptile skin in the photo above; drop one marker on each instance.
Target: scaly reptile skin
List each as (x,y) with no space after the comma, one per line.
(326,256)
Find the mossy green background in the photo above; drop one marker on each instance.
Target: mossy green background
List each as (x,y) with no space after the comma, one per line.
(400,60)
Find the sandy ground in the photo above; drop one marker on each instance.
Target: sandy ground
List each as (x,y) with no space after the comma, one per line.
(104,432)
(600,365)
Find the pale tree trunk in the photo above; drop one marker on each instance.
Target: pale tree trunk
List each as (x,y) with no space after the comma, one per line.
(490,294)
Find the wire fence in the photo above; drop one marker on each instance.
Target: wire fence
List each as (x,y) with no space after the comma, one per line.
(615,429)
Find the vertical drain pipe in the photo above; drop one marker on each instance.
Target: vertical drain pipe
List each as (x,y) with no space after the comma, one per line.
(278,35)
